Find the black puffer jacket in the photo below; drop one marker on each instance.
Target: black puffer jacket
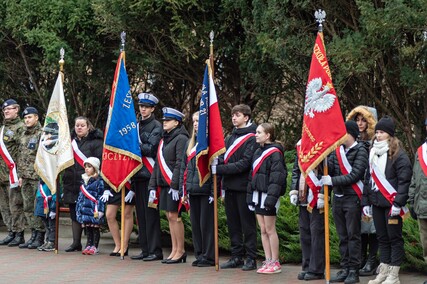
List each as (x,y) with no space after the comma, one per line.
(270,177)
(235,172)
(192,181)
(90,146)
(398,173)
(150,133)
(358,157)
(173,153)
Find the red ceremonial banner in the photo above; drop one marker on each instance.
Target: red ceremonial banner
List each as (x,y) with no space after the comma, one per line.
(323,126)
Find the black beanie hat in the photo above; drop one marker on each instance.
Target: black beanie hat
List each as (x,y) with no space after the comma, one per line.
(352,128)
(386,124)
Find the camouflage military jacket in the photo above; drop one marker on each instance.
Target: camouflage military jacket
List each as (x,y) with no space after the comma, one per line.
(12,133)
(28,146)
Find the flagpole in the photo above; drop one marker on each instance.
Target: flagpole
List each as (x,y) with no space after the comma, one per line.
(57,211)
(215,185)
(320,16)
(122,215)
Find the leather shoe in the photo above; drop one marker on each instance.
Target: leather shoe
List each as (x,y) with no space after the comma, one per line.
(313,276)
(234,262)
(205,263)
(139,256)
(301,275)
(341,276)
(250,264)
(74,247)
(353,277)
(152,257)
(194,263)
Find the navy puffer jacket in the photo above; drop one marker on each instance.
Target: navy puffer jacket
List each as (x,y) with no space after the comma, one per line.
(270,177)
(85,208)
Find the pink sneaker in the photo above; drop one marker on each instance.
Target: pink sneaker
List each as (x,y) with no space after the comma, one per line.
(264,266)
(274,267)
(86,250)
(93,250)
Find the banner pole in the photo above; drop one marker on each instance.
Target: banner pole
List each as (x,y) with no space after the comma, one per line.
(58,196)
(326,216)
(122,225)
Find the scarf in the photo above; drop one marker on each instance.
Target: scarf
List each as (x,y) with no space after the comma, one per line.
(377,157)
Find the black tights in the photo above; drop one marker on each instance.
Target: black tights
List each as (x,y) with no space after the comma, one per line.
(93,236)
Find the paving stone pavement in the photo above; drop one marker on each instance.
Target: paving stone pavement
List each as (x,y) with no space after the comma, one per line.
(31,266)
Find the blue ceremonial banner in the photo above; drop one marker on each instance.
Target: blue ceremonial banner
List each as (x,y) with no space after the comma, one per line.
(121,146)
(202,133)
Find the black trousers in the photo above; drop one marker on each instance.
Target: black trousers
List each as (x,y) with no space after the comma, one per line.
(241,223)
(389,234)
(347,212)
(312,238)
(202,226)
(149,233)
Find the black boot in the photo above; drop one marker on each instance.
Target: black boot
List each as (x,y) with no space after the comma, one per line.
(38,241)
(370,266)
(341,276)
(30,241)
(10,236)
(353,277)
(77,238)
(19,239)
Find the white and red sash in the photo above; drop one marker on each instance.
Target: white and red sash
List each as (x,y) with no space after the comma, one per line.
(164,168)
(46,199)
(313,190)
(7,158)
(346,168)
(422,156)
(78,155)
(386,188)
(236,145)
(91,198)
(258,162)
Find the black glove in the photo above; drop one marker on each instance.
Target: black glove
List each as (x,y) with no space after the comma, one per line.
(413,214)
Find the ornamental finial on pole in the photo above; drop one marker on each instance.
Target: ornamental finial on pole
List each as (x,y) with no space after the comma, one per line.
(61,59)
(320,16)
(211,38)
(123,40)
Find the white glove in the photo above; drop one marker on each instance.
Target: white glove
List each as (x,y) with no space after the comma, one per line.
(129,196)
(367,210)
(213,165)
(211,199)
(152,196)
(395,211)
(251,207)
(222,193)
(100,215)
(326,180)
(105,196)
(320,201)
(175,194)
(52,215)
(294,199)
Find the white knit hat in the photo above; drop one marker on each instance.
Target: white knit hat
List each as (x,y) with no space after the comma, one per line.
(94,162)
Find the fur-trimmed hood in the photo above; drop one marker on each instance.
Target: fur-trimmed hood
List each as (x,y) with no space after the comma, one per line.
(369,113)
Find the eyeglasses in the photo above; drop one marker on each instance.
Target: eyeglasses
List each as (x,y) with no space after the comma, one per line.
(8,108)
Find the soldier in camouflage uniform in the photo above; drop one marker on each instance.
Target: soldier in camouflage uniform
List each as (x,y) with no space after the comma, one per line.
(28,179)
(10,133)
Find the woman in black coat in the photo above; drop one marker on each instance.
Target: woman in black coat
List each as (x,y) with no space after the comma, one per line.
(201,201)
(89,143)
(164,182)
(387,191)
(267,183)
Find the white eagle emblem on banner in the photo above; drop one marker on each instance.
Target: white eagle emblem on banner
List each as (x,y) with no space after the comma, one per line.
(316,98)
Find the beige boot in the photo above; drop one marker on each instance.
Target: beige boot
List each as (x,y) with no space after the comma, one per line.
(393,275)
(382,270)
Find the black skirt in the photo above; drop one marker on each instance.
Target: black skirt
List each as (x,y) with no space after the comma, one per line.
(166,203)
(116,199)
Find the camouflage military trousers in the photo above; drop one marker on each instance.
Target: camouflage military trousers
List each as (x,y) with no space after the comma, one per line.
(28,191)
(16,209)
(4,205)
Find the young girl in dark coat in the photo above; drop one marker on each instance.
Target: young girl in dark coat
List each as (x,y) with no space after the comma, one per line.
(89,208)
(387,191)
(46,210)
(267,184)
